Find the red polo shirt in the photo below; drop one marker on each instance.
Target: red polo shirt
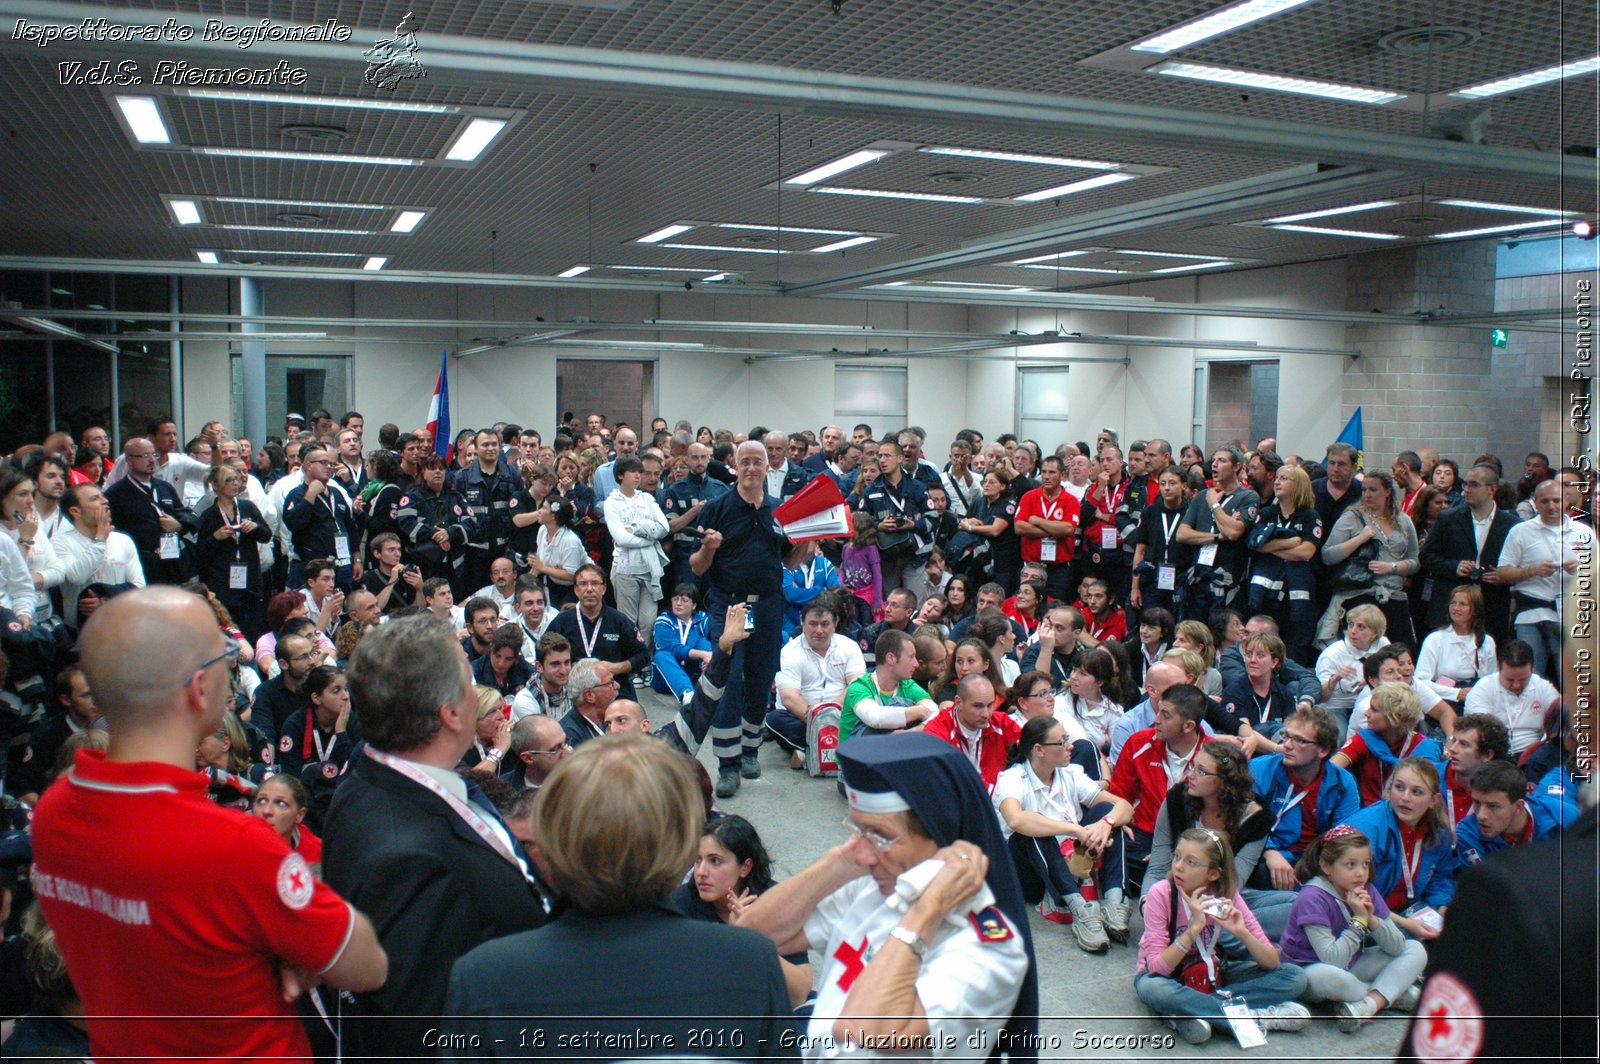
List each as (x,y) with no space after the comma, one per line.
(1064,507)
(165,904)
(1002,733)
(1140,776)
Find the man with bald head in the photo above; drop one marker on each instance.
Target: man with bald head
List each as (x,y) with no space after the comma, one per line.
(538,745)
(625,716)
(740,559)
(1157,678)
(122,898)
(626,442)
(682,503)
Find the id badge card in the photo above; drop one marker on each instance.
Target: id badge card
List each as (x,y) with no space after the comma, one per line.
(341,549)
(1245,1027)
(1047,550)
(1167,578)
(238,577)
(1207,555)
(1108,538)
(169,546)
(1427,916)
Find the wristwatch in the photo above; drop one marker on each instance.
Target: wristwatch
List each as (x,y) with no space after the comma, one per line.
(911,939)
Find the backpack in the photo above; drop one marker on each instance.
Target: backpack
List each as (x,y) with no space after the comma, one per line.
(822,740)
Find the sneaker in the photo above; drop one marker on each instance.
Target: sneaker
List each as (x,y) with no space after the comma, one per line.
(1352,1014)
(727,782)
(1052,912)
(797,760)
(1088,928)
(750,765)
(1288,1016)
(1191,1029)
(1115,916)
(1407,1001)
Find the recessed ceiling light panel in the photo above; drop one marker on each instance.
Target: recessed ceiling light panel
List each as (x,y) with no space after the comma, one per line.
(1215,24)
(1324,231)
(1098,181)
(474,139)
(837,166)
(144,119)
(1576,68)
(1255,79)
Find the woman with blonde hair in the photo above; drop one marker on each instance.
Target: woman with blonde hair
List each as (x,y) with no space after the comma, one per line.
(1285,540)
(616,825)
(1196,636)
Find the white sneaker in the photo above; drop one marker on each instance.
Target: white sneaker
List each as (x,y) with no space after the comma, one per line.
(1407,1001)
(1287,1016)
(1115,916)
(1088,928)
(1191,1029)
(1352,1014)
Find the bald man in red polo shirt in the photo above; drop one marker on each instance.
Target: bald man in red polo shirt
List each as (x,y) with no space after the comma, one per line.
(165,904)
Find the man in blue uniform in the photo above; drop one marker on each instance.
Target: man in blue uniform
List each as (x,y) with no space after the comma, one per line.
(151,512)
(490,488)
(321,521)
(437,525)
(741,558)
(682,503)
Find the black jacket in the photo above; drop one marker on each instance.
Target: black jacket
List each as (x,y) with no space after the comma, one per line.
(433,890)
(137,511)
(1450,542)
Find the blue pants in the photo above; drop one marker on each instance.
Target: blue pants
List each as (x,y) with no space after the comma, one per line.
(788,729)
(1545,639)
(1168,997)
(671,677)
(737,727)
(1043,870)
(1087,757)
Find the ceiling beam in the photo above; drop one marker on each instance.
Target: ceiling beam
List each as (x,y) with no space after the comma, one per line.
(702,81)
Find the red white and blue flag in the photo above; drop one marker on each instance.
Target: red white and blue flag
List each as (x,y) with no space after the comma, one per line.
(439,411)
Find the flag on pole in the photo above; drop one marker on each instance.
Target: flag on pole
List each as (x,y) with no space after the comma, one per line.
(439,411)
(1353,435)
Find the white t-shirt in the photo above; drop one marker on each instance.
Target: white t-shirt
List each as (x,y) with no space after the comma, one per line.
(1425,694)
(1068,794)
(1336,657)
(1533,542)
(819,677)
(1446,656)
(1523,715)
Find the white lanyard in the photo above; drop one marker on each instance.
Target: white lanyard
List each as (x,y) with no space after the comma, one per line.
(316,737)
(1409,869)
(1169,527)
(1299,797)
(583,633)
(685,627)
(1207,950)
(479,826)
(809,574)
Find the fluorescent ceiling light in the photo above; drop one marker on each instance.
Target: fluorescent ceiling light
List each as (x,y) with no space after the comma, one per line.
(288,99)
(298,229)
(474,138)
(719,247)
(1021,157)
(1324,231)
(715,277)
(1530,79)
(891,284)
(1098,181)
(1214,25)
(1255,79)
(1067,269)
(1490,230)
(1051,257)
(973,284)
(838,166)
(573,271)
(664,269)
(253,201)
(311,156)
(376,262)
(788,229)
(407,221)
(1195,266)
(1329,212)
(207,257)
(187,211)
(1482,205)
(663,233)
(1160,254)
(298,254)
(883,193)
(144,118)
(840,245)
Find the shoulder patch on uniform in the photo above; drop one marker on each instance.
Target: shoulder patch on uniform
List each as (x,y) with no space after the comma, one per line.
(1449,1022)
(991,925)
(329,770)
(295,882)
(405,500)
(286,744)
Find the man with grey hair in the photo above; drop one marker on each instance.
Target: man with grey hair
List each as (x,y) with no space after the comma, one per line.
(590,689)
(827,459)
(538,745)
(411,842)
(783,477)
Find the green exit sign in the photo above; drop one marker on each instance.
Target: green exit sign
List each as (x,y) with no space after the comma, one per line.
(1499,337)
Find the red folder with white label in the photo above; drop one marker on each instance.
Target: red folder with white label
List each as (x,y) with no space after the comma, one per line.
(816,511)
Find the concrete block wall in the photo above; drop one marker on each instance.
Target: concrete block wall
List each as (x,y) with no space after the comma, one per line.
(1420,384)
(1528,403)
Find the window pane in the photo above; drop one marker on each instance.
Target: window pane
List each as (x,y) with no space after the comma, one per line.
(23,414)
(622,390)
(869,391)
(83,387)
(144,380)
(1044,393)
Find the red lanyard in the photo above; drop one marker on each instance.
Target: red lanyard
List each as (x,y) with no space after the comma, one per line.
(479,826)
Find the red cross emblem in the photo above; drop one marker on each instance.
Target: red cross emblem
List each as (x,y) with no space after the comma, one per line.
(1449,1022)
(854,959)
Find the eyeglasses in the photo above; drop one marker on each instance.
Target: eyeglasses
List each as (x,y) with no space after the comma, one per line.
(1058,742)
(554,751)
(1290,737)
(1196,770)
(230,655)
(883,842)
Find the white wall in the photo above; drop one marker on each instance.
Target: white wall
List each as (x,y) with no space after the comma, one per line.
(1152,395)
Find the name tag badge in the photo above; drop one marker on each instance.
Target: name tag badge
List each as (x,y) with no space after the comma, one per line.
(1245,1028)
(169,546)
(1047,550)
(1207,555)
(341,549)
(1167,578)
(238,577)
(1108,538)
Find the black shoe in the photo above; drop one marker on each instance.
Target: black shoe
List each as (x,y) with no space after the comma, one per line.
(727,782)
(750,765)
